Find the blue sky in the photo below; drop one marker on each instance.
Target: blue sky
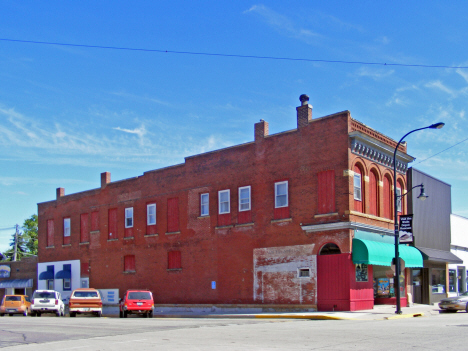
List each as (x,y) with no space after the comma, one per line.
(69,113)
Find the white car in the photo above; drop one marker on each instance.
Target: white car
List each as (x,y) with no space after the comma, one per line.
(47,301)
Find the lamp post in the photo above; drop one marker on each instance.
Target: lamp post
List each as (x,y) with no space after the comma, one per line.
(395,217)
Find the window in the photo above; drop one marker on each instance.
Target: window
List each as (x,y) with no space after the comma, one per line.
(129,263)
(398,202)
(357,187)
(224,201)
(204,204)
(281,194)
(438,280)
(174,260)
(50,284)
(67,284)
(361,272)
(151,214)
(303,272)
(129,217)
(66,227)
(244,198)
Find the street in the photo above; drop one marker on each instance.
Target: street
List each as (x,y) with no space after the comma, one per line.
(436,332)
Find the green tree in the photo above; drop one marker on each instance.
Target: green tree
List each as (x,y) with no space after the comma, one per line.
(21,248)
(30,234)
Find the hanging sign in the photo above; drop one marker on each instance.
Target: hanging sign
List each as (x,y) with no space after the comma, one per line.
(406,229)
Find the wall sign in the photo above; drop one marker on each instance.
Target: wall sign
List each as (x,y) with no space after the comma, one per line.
(5,271)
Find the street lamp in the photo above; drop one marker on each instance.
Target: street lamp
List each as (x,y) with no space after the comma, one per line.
(395,215)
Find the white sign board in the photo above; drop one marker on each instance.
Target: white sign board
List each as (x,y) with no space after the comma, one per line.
(109,296)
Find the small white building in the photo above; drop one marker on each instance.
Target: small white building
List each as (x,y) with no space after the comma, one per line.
(459,246)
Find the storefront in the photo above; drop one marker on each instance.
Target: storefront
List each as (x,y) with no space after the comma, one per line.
(378,251)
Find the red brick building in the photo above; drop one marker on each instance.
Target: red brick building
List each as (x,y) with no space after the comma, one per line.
(268,222)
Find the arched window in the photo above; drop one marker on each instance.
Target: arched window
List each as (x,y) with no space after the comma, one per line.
(387,198)
(358,190)
(400,202)
(330,249)
(373,193)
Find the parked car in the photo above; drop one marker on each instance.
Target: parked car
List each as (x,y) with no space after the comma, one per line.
(85,301)
(137,302)
(455,303)
(15,304)
(47,301)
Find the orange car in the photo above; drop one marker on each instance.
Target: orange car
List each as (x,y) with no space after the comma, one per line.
(85,301)
(15,304)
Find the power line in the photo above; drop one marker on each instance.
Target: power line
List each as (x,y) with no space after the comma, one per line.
(228,55)
(440,152)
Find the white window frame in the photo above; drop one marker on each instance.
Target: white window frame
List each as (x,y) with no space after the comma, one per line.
(277,194)
(204,205)
(67,284)
(128,215)
(151,214)
(357,187)
(398,202)
(248,207)
(303,269)
(66,227)
(228,201)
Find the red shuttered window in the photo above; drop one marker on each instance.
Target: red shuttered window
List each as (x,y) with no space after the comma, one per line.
(358,190)
(326,191)
(84,229)
(129,263)
(281,210)
(112,223)
(50,232)
(373,194)
(173,215)
(174,260)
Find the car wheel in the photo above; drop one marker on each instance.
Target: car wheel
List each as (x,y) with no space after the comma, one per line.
(10,314)
(466,308)
(145,315)
(2,314)
(120,314)
(125,314)
(38,314)
(72,314)
(150,314)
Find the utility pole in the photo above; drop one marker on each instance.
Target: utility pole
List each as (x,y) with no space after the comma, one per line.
(16,243)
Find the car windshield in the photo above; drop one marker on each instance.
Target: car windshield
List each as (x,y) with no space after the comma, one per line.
(44,295)
(85,294)
(13,298)
(139,295)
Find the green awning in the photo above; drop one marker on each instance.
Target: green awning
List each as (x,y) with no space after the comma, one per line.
(381,254)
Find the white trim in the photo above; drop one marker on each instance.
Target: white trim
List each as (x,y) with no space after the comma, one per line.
(277,184)
(127,216)
(149,214)
(202,204)
(228,201)
(249,199)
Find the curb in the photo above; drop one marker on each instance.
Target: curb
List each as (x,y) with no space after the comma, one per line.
(405,316)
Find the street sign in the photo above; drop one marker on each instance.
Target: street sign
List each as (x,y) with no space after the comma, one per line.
(406,229)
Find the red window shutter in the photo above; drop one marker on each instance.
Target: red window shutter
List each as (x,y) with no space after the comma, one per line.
(94,221)
(359,205)
(84,269)
(326,191)
(84,230)
(244,217)
(173,215)
(281,213)
(387,198)
(113,224)
(224,219)
(50,232)
(174,260)
(373,194)
(129,263)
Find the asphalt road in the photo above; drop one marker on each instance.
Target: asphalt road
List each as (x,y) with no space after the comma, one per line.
(440,332)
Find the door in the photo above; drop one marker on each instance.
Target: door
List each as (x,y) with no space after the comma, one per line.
(333,282)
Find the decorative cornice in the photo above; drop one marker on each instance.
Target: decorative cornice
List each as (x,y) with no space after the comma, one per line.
(313,228)
(378,152)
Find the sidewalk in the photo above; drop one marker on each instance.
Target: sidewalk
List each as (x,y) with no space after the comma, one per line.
(380,312)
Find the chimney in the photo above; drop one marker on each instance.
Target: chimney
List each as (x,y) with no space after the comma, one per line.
(60,192)
(304,112)
(105,179)
(261,130)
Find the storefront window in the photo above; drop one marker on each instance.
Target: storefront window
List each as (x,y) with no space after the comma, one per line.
(452,280)
(383,282)
(361,272)
(438,280)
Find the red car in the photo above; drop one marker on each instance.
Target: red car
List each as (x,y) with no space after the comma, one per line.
(137,302)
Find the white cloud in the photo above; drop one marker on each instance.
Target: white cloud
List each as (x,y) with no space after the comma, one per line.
(439,85)
(138,131)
